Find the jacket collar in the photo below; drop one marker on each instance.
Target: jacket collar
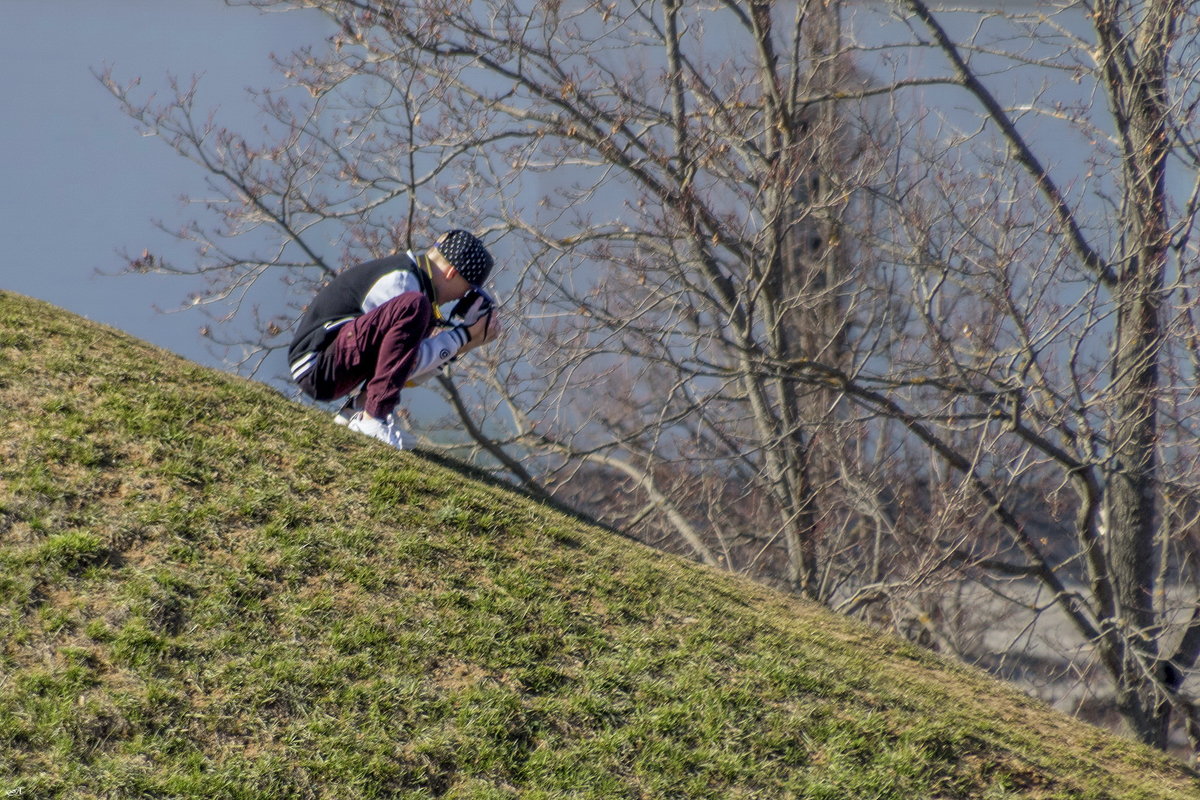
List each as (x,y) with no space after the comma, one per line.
(424,272)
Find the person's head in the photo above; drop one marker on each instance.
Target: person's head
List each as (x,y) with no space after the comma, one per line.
(461,263)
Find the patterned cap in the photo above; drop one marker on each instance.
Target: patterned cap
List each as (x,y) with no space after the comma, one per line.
(467,255)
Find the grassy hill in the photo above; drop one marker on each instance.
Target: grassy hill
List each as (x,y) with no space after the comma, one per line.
(207,591)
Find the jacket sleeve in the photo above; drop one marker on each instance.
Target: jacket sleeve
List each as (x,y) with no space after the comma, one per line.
(435,352)
(388,285)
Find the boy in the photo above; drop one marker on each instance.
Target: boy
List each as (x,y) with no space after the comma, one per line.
(371,325)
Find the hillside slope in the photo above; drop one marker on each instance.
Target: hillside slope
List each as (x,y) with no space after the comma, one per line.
(207,591)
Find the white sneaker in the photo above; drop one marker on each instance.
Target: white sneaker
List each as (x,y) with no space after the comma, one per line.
(352,406)
(385,430)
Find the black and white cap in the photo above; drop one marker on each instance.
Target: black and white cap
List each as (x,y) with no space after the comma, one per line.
(467,255)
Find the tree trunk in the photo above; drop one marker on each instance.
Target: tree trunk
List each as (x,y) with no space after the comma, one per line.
(1137,82)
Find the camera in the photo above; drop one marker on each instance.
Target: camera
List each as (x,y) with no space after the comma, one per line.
(474,304)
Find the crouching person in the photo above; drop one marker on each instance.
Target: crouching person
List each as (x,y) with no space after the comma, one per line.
(378,327)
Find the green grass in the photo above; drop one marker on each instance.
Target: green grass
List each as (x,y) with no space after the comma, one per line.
(207,591)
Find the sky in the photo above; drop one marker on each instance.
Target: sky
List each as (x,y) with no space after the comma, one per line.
(79,183)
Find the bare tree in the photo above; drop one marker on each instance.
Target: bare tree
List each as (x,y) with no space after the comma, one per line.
(1052,363)
(671,174)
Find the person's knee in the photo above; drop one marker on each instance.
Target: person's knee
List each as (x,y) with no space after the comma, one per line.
(411,309)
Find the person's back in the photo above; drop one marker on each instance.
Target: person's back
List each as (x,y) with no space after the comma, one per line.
(352,293)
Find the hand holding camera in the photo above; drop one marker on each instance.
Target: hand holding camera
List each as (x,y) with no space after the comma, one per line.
(477,310)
